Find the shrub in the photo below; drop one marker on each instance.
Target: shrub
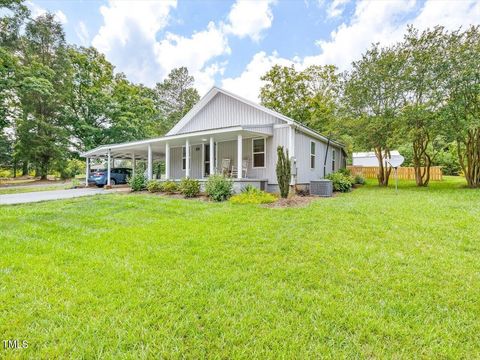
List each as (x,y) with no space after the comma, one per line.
(154,186)
(67,169)
(4,174)
(137,182)
(283,170)
(219,188)
(189,187)
(75,183)
(253,197)
(359,180)
(341,182)
(250,189)
(345,171)
(169,187)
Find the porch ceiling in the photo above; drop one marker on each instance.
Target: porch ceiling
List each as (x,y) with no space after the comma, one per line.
(140,148)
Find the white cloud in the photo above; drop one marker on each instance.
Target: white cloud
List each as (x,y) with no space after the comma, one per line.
(39,11)
(248,83)
(82,33)
(127,36)
(371,22)
(193,52)
(129,32)
(250,18)
(451,14)
(60,15)
(386,22)
(374,21)
(122,18)
(336,8)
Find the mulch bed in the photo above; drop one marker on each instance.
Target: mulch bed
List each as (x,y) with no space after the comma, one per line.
(293,201)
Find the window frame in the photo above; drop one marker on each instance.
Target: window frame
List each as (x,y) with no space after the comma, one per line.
(184,158)
(264,152)
(334,160)
(313,155)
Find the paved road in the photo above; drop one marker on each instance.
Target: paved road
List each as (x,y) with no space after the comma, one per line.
(49,195)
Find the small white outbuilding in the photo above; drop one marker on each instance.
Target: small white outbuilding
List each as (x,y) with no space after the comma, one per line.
(370,159)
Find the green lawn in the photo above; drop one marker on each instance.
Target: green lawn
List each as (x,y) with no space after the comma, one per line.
(369,274)
(26,188)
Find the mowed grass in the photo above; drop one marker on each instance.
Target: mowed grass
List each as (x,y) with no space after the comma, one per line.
(27,189)
(369,274)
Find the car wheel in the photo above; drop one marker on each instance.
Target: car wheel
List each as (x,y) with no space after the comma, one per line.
(99,185)
(113,182)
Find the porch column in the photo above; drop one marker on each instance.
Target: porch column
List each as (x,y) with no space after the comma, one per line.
(212,156)
(109,165)
(291,141)
(291,153)
(149,163)
(133,164)
(167,161)
(187,158)
(87,171)
(239,156)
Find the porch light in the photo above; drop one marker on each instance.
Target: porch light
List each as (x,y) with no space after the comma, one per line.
(204,140)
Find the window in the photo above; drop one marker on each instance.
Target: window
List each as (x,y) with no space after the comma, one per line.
(258,151)
(184,157)
(312,155)
(333,160)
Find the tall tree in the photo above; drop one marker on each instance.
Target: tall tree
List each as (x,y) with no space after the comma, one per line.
(423,93)
(309,96)
(462,110)
(88,97)
(373,97)
(133,114)
(11,22)
(42,138)
(175,96)
(285,90)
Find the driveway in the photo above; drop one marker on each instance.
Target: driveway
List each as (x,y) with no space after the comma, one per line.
(31,197)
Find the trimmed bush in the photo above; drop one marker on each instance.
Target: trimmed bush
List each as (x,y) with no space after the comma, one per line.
(169,187)
(137,182)
(154,186)
(219,188)
(359,180)
(253,197)
(341,182)
(189,187)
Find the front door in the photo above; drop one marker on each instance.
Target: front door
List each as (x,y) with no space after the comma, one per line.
(206,159)
(206,163)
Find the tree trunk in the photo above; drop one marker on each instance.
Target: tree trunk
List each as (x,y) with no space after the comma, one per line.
(421,160)
(469,157)
(24,168)
(384,171)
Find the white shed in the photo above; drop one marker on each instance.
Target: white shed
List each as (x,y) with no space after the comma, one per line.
(370,159)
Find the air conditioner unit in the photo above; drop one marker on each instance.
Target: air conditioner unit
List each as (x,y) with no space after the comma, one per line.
(321,187)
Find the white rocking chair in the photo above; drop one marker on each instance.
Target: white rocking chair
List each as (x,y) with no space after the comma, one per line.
(225,167)
(244,169)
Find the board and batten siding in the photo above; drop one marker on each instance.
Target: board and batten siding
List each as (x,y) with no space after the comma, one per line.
(305,173)
(176,171)
(224,111)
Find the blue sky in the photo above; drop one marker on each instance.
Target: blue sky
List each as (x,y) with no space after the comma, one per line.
(232,43)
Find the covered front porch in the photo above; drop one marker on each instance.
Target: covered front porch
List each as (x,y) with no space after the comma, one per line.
(237,152)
